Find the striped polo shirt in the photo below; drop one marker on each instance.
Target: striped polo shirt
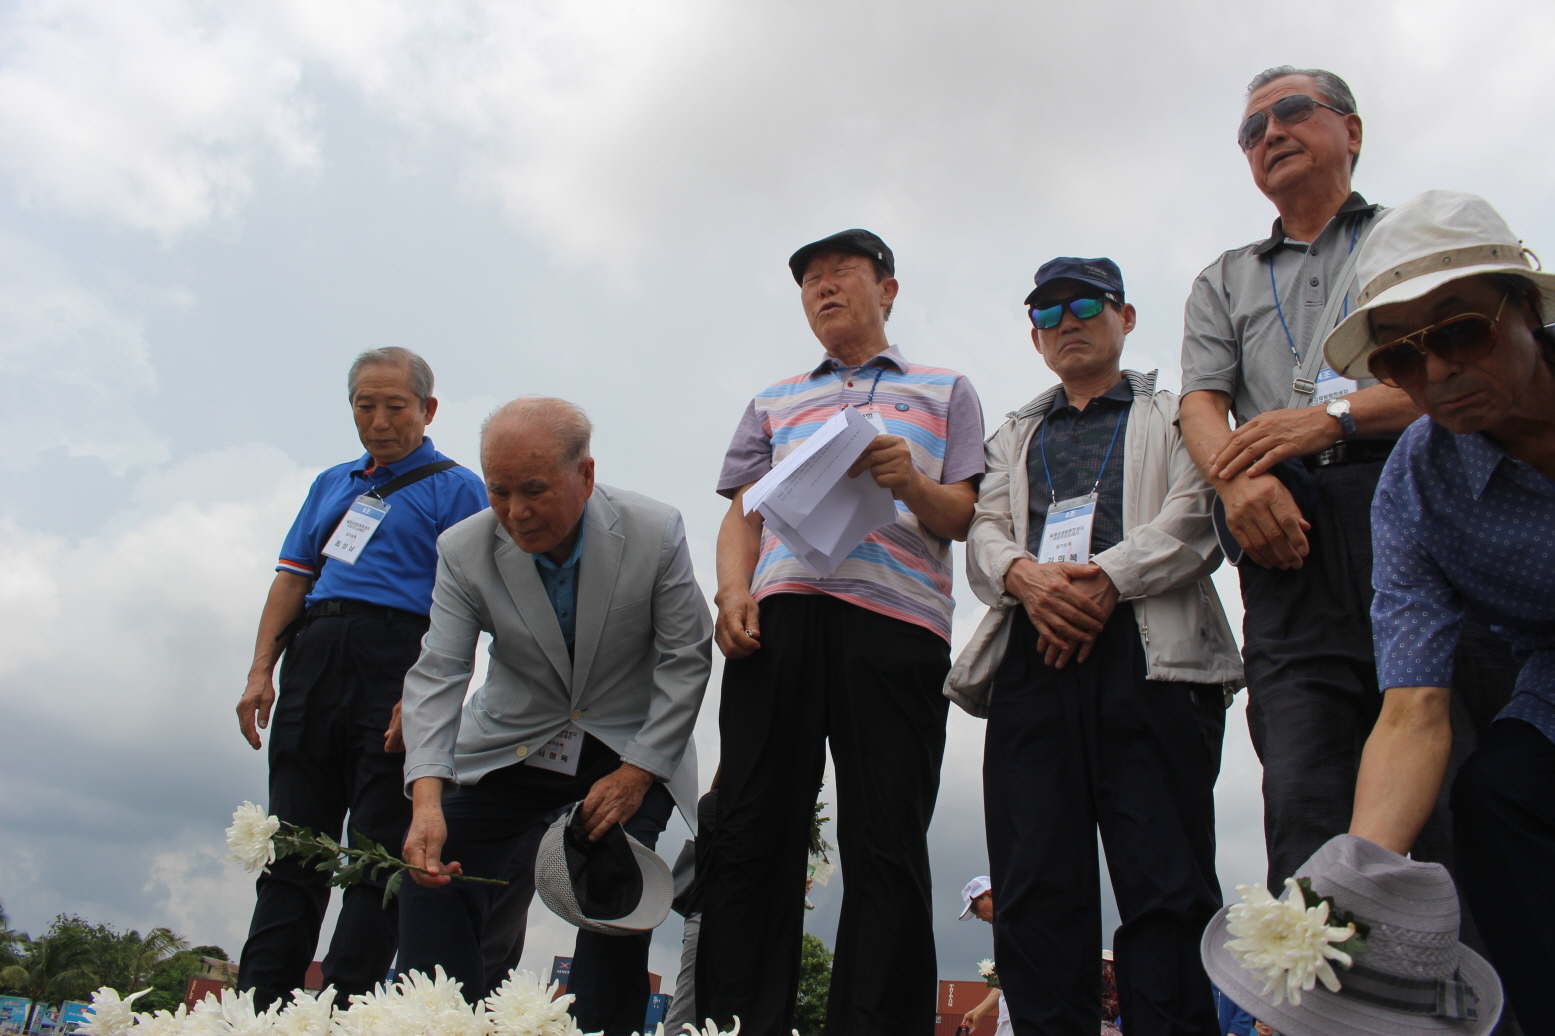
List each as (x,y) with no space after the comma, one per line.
(900,570)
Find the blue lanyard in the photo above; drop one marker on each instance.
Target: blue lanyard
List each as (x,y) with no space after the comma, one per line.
(874,385)
(1048,471)
(1345,305)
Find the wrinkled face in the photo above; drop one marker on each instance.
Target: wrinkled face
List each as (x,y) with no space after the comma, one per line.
(982,907)
(1289,155)
(390,420)
(1477,394)
(535,497)
(1077,348)
(842,300)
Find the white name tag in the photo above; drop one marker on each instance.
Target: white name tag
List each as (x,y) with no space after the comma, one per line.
(560,754)
(1066,535)
(1330,386)
(356,528)
(876,420)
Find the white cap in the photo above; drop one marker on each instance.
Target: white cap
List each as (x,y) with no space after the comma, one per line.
(974,888)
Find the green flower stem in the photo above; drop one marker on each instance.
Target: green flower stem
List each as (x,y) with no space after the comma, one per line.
(367,859)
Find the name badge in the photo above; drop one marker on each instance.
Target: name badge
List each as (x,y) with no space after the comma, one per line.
(560,754)
(356,528)
(876,420)
(1066,535)
(1330,386)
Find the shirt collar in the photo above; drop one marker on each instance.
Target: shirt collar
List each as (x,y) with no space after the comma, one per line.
(577,548)
(1122,392)
(1480,458)
(1354,203)
(426,453)
(892,357)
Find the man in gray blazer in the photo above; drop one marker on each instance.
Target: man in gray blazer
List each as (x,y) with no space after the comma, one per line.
(599,659)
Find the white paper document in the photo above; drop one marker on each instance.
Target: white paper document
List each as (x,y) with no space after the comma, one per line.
(812,506)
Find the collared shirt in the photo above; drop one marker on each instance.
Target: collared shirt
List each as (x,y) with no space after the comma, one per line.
(900,570)
(399,563)
(1233,338)
(561,584)
(1076,443)
(1458,527)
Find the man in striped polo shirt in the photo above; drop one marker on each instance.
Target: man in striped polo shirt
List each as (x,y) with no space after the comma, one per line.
(858,657)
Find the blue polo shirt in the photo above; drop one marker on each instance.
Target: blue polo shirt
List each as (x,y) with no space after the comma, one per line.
(561,584)
(397,567)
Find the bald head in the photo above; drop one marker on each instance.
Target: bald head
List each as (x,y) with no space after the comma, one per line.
(539,423)
(535,457)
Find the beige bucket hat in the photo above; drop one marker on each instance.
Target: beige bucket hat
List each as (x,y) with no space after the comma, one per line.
(1414,249)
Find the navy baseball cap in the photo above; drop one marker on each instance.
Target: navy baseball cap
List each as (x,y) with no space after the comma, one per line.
(858,242)
(1098,273)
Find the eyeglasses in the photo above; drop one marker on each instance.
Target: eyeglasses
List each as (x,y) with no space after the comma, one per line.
(1289,110)
(1460,339)
(1045,318)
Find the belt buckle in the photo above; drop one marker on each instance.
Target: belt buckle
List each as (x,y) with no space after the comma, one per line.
(1338,453)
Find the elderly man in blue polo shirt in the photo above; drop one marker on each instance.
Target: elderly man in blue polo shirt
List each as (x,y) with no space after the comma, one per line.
(348,607)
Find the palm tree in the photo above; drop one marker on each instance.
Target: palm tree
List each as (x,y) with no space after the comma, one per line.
(140,956)
(56,966)
(8,940)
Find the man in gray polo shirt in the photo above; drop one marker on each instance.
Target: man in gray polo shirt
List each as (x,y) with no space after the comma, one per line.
(1296,478)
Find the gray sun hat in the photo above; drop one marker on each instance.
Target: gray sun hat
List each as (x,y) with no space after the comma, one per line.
(1417,247)
(615,886)
(1414,978)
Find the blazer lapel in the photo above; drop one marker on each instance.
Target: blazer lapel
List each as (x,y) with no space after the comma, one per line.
(598,568)
(523,583)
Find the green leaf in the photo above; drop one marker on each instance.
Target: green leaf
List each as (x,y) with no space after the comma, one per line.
(393,886)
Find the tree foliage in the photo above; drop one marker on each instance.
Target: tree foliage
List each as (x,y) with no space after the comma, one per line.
(814,984)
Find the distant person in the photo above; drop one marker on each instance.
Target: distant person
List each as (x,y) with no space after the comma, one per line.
(1233,1020)
(1104,666)
(600,651)
(1296,477)
(348,607)
(977,901)
(853,661)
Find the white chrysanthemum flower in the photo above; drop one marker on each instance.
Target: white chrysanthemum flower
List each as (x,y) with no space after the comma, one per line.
(525,1006)
(163,1023)
(234,1014)
(985,968)
(434,1007)
(248,839)
(110,1015)
(369,1014)
(1285,942)
(712,1029)
(308,1014)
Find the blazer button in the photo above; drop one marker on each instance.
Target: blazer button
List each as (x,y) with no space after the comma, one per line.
(522,751)
(577,714)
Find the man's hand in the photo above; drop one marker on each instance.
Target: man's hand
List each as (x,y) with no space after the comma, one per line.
(394,737)
(738,628)
(1264,518)
(1273,436)
(258,698)
(614,799)
(428,831)
(889,460)
(1101,590)
(1063,614)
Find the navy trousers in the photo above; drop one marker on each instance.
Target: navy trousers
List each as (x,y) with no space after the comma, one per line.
(487,827)
(1097,746)
(340,681)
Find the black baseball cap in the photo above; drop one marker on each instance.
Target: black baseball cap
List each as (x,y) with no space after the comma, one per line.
(859,242)
(1098,273)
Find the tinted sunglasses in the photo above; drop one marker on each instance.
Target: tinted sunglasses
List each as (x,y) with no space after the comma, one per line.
(1460,339)
(1045,318)
(1289,110)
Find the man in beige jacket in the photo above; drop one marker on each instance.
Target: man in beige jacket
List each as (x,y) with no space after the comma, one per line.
(1104,666)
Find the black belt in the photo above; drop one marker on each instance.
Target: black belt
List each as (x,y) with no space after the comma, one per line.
(1362,451)
(328,609)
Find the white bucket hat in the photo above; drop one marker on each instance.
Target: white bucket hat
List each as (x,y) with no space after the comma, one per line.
(1414,978)
(974,888)
(1417,247)
(615,886)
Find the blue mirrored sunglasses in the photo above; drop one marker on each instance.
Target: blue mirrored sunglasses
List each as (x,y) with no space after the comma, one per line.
(1086,306)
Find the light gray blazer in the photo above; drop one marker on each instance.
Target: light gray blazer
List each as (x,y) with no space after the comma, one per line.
(643,647)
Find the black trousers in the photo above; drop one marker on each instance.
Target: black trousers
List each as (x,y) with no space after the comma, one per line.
(340,681)
(1096,745)
(487,826)
(1312,675)
(1503,804)
(870,684)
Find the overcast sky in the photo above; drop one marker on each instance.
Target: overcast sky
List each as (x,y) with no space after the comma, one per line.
(206,209)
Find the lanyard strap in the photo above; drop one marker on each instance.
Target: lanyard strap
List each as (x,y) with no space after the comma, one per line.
(1345,288)
(1048,471)
(874,385)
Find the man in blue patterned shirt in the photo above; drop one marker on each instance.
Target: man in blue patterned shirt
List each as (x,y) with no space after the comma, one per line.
(1463,525)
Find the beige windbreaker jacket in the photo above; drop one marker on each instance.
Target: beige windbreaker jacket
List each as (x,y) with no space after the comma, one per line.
(1162,565)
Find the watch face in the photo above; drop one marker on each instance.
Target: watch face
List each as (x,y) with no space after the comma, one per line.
(1339,406)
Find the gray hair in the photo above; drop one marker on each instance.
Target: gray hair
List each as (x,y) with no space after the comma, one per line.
(1334,90)
(566,422)
(393,356)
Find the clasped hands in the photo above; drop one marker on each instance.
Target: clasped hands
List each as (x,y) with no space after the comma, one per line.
(1067,603)
(1260,512)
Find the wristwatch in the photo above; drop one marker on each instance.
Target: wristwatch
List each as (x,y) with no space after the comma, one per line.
(1339,410)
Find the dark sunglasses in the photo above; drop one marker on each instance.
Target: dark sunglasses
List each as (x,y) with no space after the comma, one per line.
(1289,110)
(1085,307)
(1460,339)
